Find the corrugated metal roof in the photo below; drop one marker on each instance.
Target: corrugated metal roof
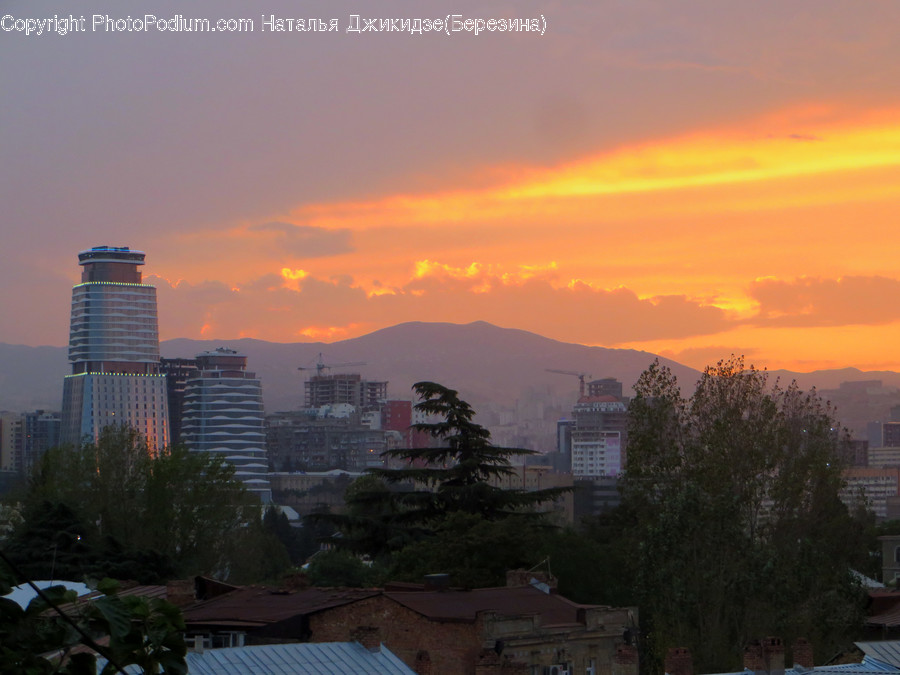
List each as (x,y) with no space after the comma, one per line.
(324,658)
(886,652)
(867,667)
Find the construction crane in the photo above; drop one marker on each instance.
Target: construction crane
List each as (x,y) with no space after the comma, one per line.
(320,366)
(580,377)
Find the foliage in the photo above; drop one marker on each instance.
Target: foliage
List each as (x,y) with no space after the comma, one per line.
(475,552)
(738,529)
(440,511)
(140,631)
(374,523)
(456,475)
(187,504)
(600,546)
(340,568)
(255,554)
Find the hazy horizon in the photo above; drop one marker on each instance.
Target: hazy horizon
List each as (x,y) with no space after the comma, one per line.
(689,179)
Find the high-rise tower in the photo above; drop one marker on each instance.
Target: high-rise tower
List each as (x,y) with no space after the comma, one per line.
(114,351)
(223,415)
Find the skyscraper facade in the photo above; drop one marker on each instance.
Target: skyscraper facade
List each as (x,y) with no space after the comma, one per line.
(114,351)
(222,414)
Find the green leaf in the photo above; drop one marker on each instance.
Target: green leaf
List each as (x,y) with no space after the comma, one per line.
(117,616)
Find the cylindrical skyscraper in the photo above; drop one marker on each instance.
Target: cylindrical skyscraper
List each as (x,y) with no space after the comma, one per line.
(114,351)
(223,415)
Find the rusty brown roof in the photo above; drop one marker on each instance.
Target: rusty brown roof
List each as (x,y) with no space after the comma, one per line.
(456,605)
(255,605)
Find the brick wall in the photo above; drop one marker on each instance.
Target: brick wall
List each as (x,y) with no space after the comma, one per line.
(452,648)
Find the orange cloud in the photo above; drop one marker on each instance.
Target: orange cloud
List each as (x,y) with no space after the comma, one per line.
(329,333)
(792,145)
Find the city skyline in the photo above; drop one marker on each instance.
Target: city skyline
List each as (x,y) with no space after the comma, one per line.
(693,180)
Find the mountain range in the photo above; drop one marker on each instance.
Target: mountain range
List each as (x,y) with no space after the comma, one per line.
(486,363)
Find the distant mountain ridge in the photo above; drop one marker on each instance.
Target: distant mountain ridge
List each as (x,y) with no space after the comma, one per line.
(486,363)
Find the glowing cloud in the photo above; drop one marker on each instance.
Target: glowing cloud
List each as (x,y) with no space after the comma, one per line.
(791,145)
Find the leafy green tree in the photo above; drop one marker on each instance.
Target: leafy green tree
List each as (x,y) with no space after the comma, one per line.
(738,528)
(256,555)
(50,543)
(341,568)
(473,551)
(183,506)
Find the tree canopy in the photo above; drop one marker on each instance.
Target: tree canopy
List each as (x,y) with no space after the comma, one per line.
(738,529)
(173,511)
(455,475)
(445,489)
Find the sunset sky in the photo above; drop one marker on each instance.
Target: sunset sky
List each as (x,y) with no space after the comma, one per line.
(692,178)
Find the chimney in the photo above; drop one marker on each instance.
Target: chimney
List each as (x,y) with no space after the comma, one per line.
(753,657)
(679,661)
(625,662)
(180,592)
(437,582)
(773,655)
(423,663)
(368,636)
(802,652)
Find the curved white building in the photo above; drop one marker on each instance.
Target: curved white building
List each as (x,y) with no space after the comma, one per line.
(223,415)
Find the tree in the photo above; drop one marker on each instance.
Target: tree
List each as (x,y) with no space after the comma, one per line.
(455,476)
(340,568)
(473,551)
(446,517)
(177,505)
(739,531)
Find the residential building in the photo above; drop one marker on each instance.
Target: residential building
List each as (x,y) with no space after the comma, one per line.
(607,386)
(599,436)
(322,390)
(177,372)
(41,433)
(12,442)
(874,484)
(882,457)
(223,415)
(304,441)
(521,628)
(114,351)
(890,434)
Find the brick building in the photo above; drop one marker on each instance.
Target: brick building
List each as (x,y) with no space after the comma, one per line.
(514,629)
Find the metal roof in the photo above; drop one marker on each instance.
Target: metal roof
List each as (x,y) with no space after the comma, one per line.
(886,652)
(307,658)
(325,658)
(869,666)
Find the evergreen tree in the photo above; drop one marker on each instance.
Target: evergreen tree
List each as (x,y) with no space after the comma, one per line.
(449,487)
(454,476)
